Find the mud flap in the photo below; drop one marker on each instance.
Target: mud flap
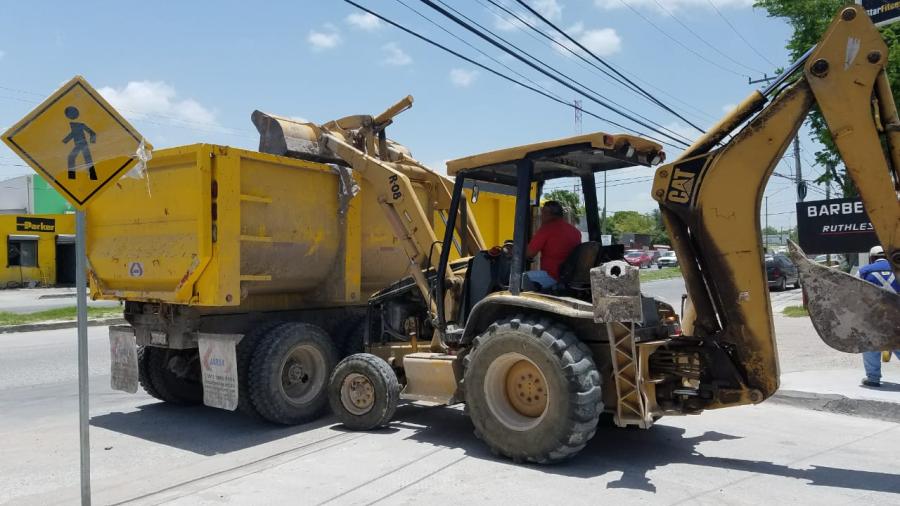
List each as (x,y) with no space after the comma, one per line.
(849,314)
(123,359)
(218,364)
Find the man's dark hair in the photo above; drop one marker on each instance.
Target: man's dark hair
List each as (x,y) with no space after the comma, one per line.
(555,208)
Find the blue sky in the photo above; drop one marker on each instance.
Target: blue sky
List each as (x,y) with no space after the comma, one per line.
(191,72)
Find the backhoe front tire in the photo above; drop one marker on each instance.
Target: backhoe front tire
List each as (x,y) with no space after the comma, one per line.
(363,392)
(289,373)
(532,390)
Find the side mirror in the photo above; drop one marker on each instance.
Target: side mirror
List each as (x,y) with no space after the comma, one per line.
(475,193)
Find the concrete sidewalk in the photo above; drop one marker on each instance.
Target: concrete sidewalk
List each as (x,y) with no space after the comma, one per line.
(31,300)
(815,376)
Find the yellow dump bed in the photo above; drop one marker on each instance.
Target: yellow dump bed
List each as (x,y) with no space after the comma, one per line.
(222,227)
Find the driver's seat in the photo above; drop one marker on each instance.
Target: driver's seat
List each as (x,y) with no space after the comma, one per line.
(575,271)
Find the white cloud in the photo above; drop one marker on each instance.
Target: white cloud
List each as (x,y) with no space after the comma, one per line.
(2,54)
(682,130)
(673,5)
(325,39)
(727,108)
(600,41)
(395,56)
(363,21)
(462,78)
(140,99)
(550,9)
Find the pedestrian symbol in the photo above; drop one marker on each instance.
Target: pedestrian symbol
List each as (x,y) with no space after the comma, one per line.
(76,135)
(76,141)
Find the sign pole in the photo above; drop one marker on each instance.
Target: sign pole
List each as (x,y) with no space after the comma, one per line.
(83,385)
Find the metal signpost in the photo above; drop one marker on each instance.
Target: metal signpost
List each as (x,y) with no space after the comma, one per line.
(80,145)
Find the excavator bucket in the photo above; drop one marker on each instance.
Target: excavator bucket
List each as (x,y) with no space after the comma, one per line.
(849,314)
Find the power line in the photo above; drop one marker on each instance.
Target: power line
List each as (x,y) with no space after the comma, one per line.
(495,72)
(628,83)
(521,58)
(696,112)
(522,53)
(701,39)
(495,60)
(682,44)
(735,30)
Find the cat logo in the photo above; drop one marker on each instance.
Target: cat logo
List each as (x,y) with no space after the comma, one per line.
(681,187)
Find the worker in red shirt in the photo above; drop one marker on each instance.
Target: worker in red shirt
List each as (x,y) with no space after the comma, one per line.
(554,241)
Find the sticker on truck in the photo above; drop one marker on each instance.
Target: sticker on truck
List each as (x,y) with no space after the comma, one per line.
(219,367)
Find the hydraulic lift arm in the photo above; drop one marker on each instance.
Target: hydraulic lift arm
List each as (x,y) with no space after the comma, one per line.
(710,201)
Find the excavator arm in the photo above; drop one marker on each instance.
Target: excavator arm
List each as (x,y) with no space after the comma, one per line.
(710,201)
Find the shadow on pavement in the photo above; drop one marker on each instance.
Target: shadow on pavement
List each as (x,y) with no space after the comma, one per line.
(635,453)
(199,429)
(886,386)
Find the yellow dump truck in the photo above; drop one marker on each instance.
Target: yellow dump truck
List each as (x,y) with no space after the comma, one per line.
(217,241)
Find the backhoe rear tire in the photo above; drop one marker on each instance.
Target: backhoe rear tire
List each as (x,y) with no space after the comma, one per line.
(532,390)
(363,392)
(175,375)
(289,373)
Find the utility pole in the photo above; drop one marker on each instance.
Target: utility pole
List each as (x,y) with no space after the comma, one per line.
(801,186)
(828,197)
(577,116)
(603,221)
(766,229)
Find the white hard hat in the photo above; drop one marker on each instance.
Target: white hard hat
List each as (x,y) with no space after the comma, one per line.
(876,251)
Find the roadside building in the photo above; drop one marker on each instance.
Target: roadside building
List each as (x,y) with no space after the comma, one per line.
(37,228)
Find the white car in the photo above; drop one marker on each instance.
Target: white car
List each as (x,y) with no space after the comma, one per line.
(667,259)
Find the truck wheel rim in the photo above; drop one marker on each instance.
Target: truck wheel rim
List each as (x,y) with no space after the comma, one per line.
(516,391)
(302,374)
(357,394)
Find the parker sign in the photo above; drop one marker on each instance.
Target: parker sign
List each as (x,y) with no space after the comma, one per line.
(834,226)
(882,12)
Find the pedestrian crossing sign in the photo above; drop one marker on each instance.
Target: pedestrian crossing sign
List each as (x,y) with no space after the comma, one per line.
(77,142)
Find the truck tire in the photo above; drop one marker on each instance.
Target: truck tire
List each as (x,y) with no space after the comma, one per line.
(143,355)
(183,387)
(243,355)
(532,390)
(363,392)
(289,373)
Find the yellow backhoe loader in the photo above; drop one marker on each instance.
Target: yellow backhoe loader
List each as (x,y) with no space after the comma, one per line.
(538,368)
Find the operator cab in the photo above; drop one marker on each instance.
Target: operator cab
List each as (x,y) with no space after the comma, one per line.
(526,169)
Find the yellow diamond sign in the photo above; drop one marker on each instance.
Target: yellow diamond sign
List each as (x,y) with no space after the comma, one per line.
(76,141)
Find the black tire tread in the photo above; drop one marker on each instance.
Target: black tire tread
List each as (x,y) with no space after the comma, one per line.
(262,368)
(243,356)
(161,379)
(581,374)
(384,372)
(144,372)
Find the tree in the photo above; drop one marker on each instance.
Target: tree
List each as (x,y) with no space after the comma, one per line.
(770,230)
(623,222)
(810,19)
(570,202)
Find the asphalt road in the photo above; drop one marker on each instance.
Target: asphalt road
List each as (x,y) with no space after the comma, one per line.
(670,290)
(151,453)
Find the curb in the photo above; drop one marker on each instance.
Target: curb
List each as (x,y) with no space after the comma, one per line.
(35,327)
(835,403)
(58,296)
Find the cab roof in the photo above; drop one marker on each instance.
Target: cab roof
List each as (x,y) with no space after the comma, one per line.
(569,157)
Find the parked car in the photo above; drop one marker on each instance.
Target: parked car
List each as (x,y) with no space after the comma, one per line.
(638,258)
(667,259)
(781,272)
(836,260)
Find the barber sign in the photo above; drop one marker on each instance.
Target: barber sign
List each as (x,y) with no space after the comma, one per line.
(882,12)
(834,226)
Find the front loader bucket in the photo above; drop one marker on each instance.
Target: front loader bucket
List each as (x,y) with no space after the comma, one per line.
(849,314)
